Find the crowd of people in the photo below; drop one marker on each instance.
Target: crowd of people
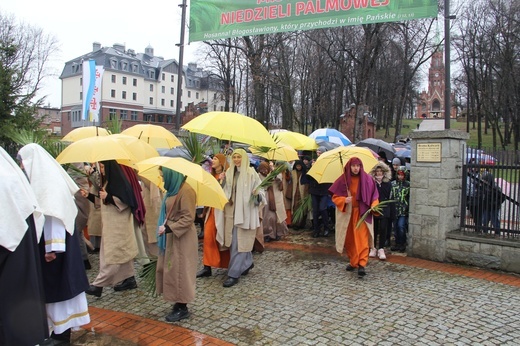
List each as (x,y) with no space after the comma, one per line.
(130,219)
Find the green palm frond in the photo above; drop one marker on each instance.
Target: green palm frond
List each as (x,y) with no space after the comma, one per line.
(23,137)
(303,208)
(268,181)
(195,147)
(148,276)
(377,209)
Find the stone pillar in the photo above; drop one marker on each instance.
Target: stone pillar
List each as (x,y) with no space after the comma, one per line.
(435,192)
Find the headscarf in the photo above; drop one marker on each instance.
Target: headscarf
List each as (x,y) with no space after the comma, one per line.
(366,190)
(19,202)
(118,185)
(230,173)
(53,187)
(140,210)
(223,161)
(172,183)
(264,166)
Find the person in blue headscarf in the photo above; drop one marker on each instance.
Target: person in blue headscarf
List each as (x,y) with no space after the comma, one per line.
(178,245)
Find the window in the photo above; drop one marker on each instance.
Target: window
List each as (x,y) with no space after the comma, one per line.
(162,102)
(163,89)
(171,91)
(214,96)
(123,114)
(113,78)
(171,78)
(221,108)
(135,82)
(134,67)
(151,87)
(151,100)
(171,103)
(124,80)
(81,81)
(133,115)
(189,93)
(163,76)
(113,93)
(160,118)
(123,95)
(197,96)
(81,95)
(134,96)
(112,113)
(215,107)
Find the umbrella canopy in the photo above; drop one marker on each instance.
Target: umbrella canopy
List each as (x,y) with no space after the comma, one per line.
(233,127)
(155,135)
(378,145)
(176,152)
(209,192)
(282,152)
(295,139)
(330,135)
(330,165)
(406,153)
(140,149)
(327,145)
(85,132)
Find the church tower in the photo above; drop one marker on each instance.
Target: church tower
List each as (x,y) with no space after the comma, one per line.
(431,102)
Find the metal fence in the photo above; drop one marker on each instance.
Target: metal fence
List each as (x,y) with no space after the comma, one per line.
(492,196)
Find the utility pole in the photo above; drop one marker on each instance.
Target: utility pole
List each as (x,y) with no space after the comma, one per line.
(447,61)
(181,62)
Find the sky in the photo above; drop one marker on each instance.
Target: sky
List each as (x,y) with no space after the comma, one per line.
(134,24)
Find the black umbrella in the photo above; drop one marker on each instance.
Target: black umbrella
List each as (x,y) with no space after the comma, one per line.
(378,145)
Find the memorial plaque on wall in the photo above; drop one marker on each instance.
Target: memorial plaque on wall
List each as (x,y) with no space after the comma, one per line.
(429,152)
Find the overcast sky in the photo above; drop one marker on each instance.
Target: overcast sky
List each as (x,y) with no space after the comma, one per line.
(136,24)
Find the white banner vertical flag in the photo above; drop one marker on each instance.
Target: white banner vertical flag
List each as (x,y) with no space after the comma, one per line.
(92,76)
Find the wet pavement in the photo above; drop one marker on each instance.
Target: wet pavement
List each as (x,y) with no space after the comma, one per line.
(300,294)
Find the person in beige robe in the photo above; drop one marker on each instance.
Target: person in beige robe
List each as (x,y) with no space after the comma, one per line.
(178,245)
(118,243)
(237,226)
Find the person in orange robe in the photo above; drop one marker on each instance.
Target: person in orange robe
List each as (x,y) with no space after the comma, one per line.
(354,193)
(212,255)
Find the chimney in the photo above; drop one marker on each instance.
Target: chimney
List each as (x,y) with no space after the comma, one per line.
(119,47)
(131,52)
(96,46)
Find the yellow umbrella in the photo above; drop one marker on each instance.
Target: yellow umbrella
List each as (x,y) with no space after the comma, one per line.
(140,149)
(282,152)
(330,165)
(155,135)
(85,132)
(209,192)
(295,139)
(101,148)
(233,127)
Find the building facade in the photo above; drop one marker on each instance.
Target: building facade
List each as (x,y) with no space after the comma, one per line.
(136,88)
(431,102)
(51,119)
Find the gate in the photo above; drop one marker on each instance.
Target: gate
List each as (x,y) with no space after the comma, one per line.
(491,196)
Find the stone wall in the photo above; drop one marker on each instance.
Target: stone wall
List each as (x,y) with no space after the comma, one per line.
(435,202)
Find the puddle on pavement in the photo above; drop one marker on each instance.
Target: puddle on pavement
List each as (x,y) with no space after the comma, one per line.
(86,338)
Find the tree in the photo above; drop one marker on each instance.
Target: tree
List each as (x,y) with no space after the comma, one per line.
(24,56)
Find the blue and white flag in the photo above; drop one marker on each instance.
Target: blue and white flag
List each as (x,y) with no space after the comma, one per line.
(92,76)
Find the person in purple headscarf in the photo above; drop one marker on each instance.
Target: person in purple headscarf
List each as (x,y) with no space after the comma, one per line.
(354,193)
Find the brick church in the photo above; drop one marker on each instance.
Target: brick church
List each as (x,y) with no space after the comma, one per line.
(431,103)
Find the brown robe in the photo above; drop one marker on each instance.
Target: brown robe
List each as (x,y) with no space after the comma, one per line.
(177,267)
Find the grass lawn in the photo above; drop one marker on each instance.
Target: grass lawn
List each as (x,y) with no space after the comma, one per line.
(411,124)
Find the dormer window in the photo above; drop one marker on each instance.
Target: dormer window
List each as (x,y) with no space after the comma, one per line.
(113,63)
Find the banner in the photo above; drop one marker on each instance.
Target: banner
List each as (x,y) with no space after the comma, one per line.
(92,76)
(216,19)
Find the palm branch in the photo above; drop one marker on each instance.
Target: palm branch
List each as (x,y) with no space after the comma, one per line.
(377,209)
(195,147)
(148,276)
(269,179)
(302,209)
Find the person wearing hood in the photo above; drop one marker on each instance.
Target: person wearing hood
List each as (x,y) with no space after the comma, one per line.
(212,254)
(64,277)
(382,176)
(354,193)
(23,319)
(238,224)
(320,202)
(401,194)
(178,245)
(300,191)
